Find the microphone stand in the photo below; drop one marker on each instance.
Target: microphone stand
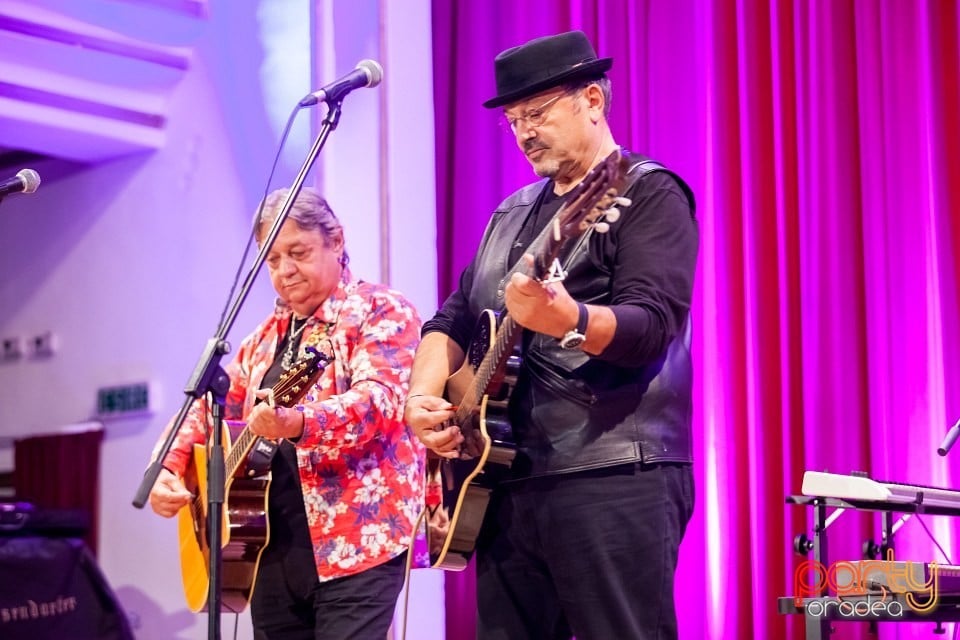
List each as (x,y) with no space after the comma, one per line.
(209,377)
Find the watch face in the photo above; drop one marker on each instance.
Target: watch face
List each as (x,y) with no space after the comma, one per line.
(572,340)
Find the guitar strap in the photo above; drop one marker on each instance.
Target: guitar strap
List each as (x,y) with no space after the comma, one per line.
(647,166)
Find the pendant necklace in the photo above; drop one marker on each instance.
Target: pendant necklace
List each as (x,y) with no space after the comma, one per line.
(289,354)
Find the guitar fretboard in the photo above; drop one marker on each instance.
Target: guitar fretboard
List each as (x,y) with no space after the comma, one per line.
(291,386)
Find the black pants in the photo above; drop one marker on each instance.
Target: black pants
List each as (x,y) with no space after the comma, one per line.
(289,603)
(590,554)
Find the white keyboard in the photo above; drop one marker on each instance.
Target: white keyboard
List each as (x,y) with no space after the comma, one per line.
(847,487)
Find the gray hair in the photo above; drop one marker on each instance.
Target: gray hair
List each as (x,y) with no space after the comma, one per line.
(602,81)
(310,212)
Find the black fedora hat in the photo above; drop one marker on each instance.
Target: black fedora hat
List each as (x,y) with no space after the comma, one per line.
(543,63)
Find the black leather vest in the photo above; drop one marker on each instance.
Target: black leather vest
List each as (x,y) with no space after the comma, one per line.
(569,411)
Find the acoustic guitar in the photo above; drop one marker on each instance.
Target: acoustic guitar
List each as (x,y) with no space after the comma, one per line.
(458,490)
(245,525)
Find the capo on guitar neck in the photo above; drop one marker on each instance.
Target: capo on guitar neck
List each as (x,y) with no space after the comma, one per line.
(556,273)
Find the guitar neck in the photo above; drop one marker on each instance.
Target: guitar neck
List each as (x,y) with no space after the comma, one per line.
(546,248)
(493,364)
(292,386)
(238,451)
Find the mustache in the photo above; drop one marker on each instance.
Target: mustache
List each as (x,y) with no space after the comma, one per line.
(532,145)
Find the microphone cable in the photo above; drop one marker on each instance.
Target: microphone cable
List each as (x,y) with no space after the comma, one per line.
(253,228)
(406,572)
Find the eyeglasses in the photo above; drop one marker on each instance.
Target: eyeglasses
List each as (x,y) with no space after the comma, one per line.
(533,117)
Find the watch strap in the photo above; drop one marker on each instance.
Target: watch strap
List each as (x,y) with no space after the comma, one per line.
(582,318)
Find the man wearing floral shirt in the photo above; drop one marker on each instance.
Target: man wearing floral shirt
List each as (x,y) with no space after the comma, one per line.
(346,485)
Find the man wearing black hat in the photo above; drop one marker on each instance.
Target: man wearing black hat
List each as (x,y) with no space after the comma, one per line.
(581,534)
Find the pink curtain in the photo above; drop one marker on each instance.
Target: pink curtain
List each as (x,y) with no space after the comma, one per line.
(819,139)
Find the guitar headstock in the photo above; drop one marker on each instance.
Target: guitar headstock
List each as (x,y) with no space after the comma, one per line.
(293,383)
(593,202)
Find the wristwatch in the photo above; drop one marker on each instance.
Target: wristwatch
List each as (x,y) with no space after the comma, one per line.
(574,338)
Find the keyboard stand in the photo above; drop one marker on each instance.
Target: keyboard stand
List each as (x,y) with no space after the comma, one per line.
(818,627)
(815,628)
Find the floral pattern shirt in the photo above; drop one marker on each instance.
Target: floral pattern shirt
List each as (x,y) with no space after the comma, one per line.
(361,467)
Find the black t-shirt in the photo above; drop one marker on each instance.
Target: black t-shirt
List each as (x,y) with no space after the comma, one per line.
(537,219)
(288,519)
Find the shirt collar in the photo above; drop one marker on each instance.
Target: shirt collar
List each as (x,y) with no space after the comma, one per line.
(329,309)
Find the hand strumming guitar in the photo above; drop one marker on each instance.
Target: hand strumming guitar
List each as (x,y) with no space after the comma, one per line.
(426,414)
(169,495)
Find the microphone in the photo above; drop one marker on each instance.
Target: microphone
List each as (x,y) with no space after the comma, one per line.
(26,180)
(368,73)
(949,439)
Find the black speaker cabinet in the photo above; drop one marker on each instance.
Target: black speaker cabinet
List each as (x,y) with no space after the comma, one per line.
(52,589)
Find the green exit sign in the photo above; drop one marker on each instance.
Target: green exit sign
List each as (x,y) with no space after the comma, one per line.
(123,399)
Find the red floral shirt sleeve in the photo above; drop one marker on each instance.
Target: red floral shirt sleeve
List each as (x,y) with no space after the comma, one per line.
(380,346)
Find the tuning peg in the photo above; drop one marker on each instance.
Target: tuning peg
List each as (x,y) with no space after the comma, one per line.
(623,202)
(612,214)
(601,227)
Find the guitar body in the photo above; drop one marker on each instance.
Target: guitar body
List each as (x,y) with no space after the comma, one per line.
(244,534)
(245,529)
(458,490)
